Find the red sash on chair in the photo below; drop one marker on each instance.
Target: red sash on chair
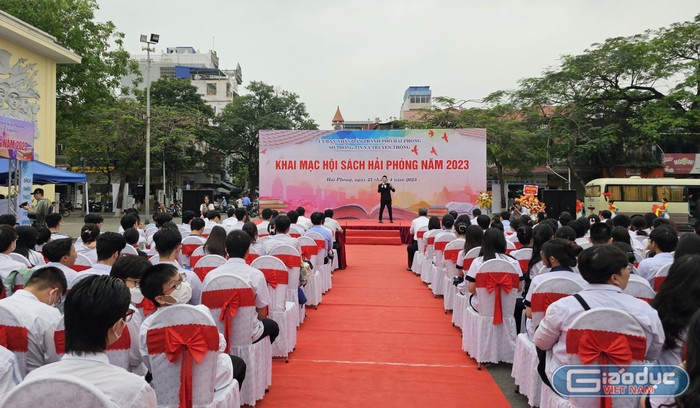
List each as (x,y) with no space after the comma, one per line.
(194,259)
(249,258)
(294,234)
(467,263)
(420,234)
(290,261)
(191,342)
(524,265)
(518,245)
(275,277)
(440,245)
(497,281)
(122,343)
(321,244)
(202,271)
(658,281)
(541,300)
(188,249)
(14,338)
(605,347)
(228,300)
(80,268)
(307,251)
(452,255)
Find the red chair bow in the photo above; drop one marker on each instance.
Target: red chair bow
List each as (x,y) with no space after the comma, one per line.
(188,249)
(497,282)
(3,336)
(307,251)
(14,338)
(290,261)
(270,277)
(541,301)
(228,311)
(191,342)
(615,350)
(229,301)
(452,255)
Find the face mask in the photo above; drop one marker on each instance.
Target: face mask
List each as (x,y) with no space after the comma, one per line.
(136,295)
(183,294)
(117,336)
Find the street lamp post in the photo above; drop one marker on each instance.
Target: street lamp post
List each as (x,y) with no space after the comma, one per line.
(153,39)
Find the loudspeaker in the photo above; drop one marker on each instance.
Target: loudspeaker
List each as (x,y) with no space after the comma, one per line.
(558,201)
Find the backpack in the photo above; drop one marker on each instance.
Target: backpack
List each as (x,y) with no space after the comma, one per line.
(10,282)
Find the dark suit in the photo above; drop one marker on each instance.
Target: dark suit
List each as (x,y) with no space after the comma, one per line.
(385,191)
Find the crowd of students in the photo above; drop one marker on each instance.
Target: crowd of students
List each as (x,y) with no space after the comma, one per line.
(44,292)
(602,253)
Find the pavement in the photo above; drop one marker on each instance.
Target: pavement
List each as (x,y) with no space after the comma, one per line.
(72,224)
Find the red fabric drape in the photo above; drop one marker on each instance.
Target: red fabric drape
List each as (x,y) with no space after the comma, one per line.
(191,342)
(275,277)
(497,282)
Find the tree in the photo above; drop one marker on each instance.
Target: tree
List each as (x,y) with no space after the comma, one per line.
(177,93)
(240,121)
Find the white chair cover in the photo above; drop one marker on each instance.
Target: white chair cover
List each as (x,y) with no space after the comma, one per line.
(189,245)
(292,259)
(317,285)
(206,264)
(197,254)
(312,289)
(419,255)
(237,299)
(525,360)
(324,269)
(252,254)
(426,272)
(170,340)
(82,263)
(489,335)
(661,276)
(16,339)
(63,391)
(461,302)
(129,251)
(439,283)
(281,311)
(20,258)
(262,232)
(510,245)
(450,254)
(639,288)
(296,230)
(590,330)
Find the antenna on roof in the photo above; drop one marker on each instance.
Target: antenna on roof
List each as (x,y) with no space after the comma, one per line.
(212,43)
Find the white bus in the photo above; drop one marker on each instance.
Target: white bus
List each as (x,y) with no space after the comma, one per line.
(636,195)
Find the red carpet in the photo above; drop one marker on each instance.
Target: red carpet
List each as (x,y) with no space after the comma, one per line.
(372,237)
(379,339)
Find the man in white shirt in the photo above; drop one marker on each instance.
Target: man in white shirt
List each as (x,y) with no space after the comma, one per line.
(416,224)
(168,244)
(8,241)
(302,220)
(96,313)
(606,269)
(330,222)
(62,255)
(109,247)
(281,237)
(33,307)
(266,216)
(164,285)
(475,214)
(236,219)
(662,243)
(237,245)
(53,223)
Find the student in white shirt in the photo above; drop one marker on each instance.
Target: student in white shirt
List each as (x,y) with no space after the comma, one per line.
(606,269)
(168,243)
(266,215)
(26,241)
(493,246)
(236,218)
(8,237)
(54,222)
(677,300)
(109,247)
(96,313)
(9,371)
(165,285)
(62,255)
(88,235)
(237,245)
(662,242)
(302,220)
(281,236)
(34,307)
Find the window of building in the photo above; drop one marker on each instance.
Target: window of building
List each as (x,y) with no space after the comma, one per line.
(211,89)
(167,72)
(229,94)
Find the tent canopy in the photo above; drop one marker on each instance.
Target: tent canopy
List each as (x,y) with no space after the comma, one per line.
(44,174)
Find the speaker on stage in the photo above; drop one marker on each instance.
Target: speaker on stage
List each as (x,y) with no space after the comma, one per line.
(558,201)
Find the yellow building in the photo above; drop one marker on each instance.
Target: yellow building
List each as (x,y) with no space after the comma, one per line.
(28,59)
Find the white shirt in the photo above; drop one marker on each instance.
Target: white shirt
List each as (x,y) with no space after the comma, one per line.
(255,278)
(69,273)
(59,235)
(648,267)
(124,389)
(35,258)
(9,371)
(280,239)
(331,223)
(97,269)
(471,274)
(551,333)
(224,366)
(8,265)
(40,320)
(417,224)
(203,208)
(192,279)
(91,253)
(304,222)
(264,224)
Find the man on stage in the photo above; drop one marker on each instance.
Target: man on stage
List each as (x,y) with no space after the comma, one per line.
(385,189)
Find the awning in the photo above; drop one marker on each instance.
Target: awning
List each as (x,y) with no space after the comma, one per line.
(44,174)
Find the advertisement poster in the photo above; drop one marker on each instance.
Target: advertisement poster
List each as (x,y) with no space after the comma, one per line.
(16,139)
(440,169)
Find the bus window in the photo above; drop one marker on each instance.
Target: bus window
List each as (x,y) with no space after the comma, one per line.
(593,191)
(615,192)
(638,193)
(670,193)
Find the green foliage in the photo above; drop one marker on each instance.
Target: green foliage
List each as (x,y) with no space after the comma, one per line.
(178,93)
(264,107)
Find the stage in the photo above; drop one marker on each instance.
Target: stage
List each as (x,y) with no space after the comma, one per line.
(371,232)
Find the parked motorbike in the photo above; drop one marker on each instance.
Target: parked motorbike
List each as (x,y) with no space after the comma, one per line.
(65,208)
(94,206)
(175,210)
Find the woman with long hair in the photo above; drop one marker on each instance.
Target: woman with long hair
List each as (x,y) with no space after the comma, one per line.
(472,239)
(493,246)
(559,255)
(688,244)
(541,234)
(26,241)
(677,300)
(216,242)
(252,230)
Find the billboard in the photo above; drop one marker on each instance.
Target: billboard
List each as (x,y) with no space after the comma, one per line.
(440,169)
(16,139)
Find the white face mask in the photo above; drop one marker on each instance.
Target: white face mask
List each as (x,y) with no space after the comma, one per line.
(136,295)
(183,294)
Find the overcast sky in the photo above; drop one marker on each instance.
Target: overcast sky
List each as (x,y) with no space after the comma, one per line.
(363,54)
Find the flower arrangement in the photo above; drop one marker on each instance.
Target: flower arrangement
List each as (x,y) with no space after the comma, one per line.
(484,200)
(531,202)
